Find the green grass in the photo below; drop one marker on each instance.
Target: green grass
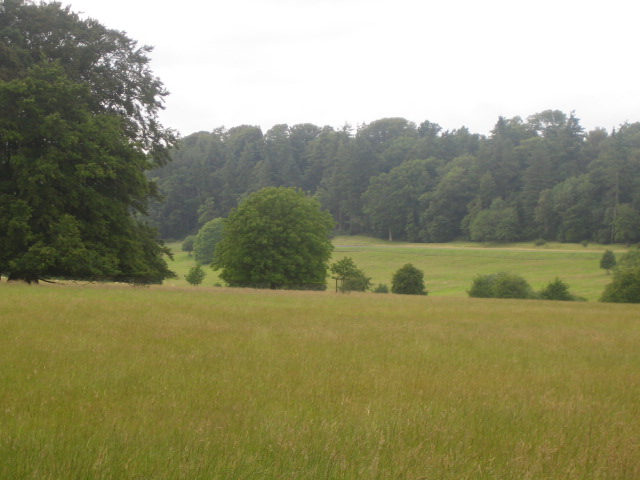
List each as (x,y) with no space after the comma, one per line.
(450,268)
(210,383)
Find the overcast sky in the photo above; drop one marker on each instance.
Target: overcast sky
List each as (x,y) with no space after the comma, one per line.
(331,62)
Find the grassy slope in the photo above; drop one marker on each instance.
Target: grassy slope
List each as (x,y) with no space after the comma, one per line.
(165,383)
(450,268)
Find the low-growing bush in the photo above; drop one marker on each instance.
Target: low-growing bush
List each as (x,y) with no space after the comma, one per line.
(381,288)
(625,286)
(358,282)
(408,280)
(557,290)
(500,285)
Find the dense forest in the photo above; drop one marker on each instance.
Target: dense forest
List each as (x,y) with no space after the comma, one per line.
(539,178)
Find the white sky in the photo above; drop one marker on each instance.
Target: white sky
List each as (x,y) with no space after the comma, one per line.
(327,62)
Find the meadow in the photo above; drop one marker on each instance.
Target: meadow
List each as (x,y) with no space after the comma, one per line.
(450,268)
(102,382)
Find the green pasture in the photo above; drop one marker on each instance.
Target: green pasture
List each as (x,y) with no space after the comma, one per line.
(103,382)
(450,268)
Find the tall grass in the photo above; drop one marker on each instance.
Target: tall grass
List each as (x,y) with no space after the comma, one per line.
(165,383)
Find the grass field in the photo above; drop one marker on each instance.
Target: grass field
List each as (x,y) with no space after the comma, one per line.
(103,382)
(450,268)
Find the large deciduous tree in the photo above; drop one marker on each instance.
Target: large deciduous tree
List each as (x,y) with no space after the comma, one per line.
(78,130)
(277,238)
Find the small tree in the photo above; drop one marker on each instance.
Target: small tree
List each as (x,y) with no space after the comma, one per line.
(408,280)
(187,244)
(348,277)
(196,275)
(556,290)
(608,261)
(204,245)
(277,238)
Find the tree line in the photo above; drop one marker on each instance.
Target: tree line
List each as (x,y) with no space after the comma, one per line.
(540,178)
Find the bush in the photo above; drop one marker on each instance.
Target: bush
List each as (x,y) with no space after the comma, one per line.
(625,286)
(348,277)
(557,290)
(540,242)
(196,275)
(358,282)
(500,285)
(408,280)
(508,285)
(381,288)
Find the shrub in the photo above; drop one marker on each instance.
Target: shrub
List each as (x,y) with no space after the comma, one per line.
(556,290)
(381,288)
(408,280)
(540,242)
(348,277)
(508,285)
(482,287)
(625,286)
(196,275)
(358,282)
(500,285)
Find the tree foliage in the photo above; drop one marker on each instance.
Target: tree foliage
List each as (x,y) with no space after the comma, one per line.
(608,261)
(408,280)
(500,285)
(78,130)
(539,177)
(277,238)
(204,244)
(625,285)
(196,275)
(348,277)
(557,290)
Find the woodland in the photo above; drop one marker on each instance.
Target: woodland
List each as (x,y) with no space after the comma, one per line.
(539,178)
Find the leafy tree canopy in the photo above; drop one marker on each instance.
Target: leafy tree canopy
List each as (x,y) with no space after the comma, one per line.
(204,244)
(408,280)
(608,260)
(625,285)
(196,275)
(78,130)
(500,285)
(277,238)
(348,277)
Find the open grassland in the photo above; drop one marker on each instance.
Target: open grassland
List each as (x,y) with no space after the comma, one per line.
(450,268)
(206,383)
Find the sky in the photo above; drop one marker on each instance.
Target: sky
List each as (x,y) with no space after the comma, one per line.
(332,62)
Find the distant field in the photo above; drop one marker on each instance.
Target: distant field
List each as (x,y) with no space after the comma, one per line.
(449,268)
(102,382)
